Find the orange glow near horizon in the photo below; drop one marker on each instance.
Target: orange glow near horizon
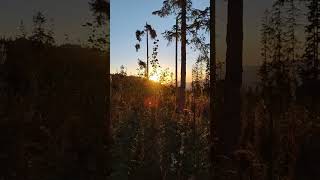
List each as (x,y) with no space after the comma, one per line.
(155,77)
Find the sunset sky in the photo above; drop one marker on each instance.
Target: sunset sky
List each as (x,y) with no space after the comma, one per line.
(128,16)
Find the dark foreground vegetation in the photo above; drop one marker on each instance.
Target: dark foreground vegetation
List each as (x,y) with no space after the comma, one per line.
(53,111)
(152,140)
(53,103)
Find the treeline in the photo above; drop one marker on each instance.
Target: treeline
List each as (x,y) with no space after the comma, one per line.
(280,136)
(289,87)
(290,63)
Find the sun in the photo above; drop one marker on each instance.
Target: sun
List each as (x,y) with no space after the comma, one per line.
(155,77)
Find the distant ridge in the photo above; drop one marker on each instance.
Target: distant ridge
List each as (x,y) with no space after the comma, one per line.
(250,76)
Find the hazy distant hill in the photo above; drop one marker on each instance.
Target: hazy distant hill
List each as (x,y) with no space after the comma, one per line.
(250,76)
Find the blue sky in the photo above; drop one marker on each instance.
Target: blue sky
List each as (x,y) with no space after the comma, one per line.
(129,15)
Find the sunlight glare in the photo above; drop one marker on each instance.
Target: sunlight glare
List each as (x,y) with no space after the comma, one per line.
(155,77)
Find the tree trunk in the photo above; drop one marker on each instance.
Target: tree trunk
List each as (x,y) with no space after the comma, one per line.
(316,40)
(229,126)
(108,107)
(147,31)
(182,98)
(177,39)
(108,115)
(212,81)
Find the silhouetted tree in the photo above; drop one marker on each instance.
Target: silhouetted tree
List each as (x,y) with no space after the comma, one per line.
(101,10)
(176,58)
(293,13)
(273,77)
(195,21)
(310,69)
(182,97)
(178,7)
(40,34)
(280,64)
(266,48)
(100,27)
(197,78)
(123,70)
(212,84)
(155,61)
(148,29)
(292,42)
(22,30)
(228,128)
(142,67)
(278,80)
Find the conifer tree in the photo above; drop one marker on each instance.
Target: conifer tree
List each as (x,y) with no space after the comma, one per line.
(310,69)
(150,32)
